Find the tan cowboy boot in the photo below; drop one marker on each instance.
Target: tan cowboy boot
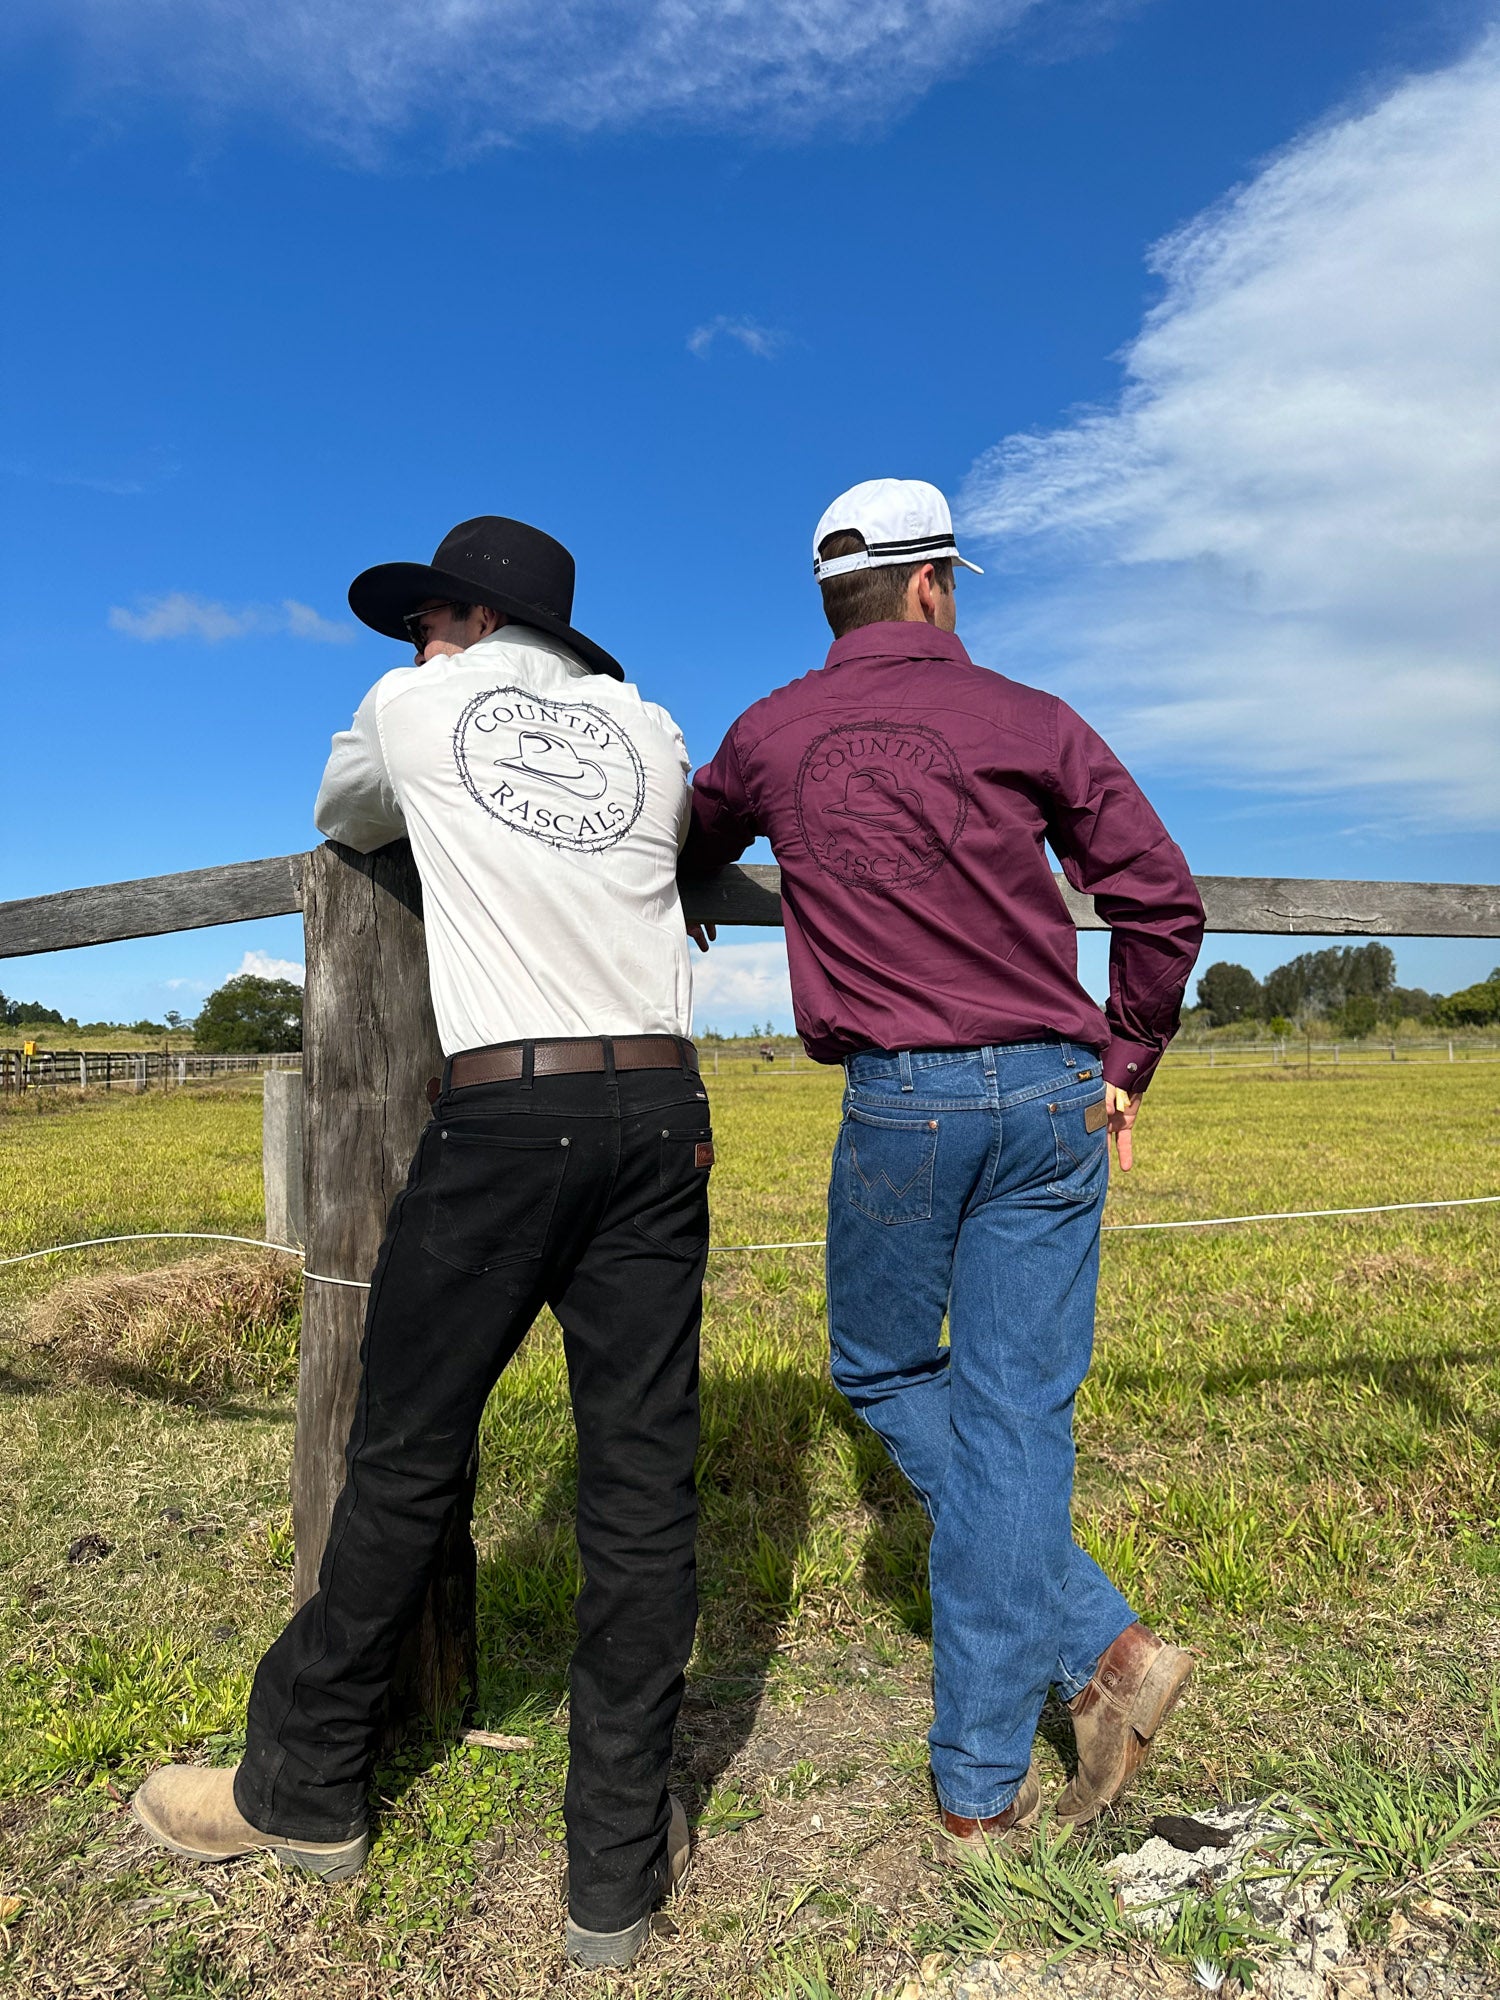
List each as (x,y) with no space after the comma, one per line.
(192,1811)
(1135,1687)
(1005,1829)
(619,1948)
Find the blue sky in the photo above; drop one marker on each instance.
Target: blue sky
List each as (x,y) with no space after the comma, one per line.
(1192,310)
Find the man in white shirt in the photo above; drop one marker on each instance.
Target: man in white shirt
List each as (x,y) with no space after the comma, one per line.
(567,1164)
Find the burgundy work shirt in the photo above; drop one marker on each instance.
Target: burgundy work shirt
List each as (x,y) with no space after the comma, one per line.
(910,797)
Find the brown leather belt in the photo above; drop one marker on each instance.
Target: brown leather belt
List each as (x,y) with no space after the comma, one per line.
(507,1061)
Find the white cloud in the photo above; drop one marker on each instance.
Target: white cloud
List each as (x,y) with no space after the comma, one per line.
(765,342)
(736,984)
(459,76)
(1277,560)
(302,622)
(261,965)
(179,615)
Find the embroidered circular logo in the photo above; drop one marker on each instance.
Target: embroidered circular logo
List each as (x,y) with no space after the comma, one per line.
(881,804)
(563,771)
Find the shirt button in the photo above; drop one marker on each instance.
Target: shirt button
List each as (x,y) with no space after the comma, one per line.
(1131,1068)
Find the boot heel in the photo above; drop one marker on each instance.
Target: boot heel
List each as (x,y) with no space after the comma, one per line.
(331,1864)
(1160,1691)
(606,1950)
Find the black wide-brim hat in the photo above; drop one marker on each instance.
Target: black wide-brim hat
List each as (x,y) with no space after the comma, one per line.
(490,560)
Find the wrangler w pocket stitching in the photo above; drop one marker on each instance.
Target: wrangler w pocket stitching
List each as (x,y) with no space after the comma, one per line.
(888,1166)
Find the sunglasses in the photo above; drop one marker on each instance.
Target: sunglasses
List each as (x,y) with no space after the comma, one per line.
(415,621)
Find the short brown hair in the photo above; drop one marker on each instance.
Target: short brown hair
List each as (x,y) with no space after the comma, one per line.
(868,596)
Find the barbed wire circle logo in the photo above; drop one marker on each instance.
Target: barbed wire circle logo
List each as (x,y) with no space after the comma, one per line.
(881,804)
(564,772)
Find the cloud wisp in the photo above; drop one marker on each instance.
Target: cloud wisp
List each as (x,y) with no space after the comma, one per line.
(1276,561)
(737,984)
(764,342)
(261,965)
(180,615)
(457,79)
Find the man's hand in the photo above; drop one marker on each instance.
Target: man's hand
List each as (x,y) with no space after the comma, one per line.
(703,935)
(1121,1109)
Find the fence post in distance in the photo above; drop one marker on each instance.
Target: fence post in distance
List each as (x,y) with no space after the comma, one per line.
(281,1157)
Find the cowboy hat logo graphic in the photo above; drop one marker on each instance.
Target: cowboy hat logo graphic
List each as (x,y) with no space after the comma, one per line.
(875,796)
(880,802)
(552,759)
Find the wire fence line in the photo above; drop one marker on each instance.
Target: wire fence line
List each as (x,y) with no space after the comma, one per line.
(140,1070)
(1301,1051)
(744,1249)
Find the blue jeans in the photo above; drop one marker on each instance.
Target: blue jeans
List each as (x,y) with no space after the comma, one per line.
(970,1182)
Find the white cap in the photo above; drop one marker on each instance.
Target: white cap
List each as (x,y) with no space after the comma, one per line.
(902,520)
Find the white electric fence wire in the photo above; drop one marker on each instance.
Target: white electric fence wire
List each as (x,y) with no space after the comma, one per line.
(740,1249)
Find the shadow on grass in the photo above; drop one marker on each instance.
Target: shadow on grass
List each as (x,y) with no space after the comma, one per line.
(1415,1381)
(773,1426)
(13,1383)
(762,1415)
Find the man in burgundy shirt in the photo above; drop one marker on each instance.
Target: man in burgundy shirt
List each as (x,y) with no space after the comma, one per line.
(910,797)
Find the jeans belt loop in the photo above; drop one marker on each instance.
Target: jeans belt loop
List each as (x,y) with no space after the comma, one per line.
(991,1060)
(606,1043)
(905,1065)
(528,1065)
(447,1081)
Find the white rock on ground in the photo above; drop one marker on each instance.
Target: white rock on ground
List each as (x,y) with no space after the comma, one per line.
(1152,1879)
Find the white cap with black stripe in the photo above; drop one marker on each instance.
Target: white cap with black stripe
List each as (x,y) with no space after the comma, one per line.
(902,520)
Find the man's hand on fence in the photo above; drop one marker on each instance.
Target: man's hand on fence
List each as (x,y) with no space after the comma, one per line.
(1121,1109)
(703,935)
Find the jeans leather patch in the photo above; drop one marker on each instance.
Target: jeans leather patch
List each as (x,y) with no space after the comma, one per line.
(703,1153)
(1094,1116)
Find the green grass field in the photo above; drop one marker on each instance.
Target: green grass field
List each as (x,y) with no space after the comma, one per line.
(1287,1456)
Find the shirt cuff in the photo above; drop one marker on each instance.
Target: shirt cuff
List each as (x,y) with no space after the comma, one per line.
(1129,1066)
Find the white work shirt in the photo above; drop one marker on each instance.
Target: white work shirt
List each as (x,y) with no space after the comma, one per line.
(546,806)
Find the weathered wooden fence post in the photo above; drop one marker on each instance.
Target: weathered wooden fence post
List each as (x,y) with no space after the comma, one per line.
(281,1157)
(369,1046)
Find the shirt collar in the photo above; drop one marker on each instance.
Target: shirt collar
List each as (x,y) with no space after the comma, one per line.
(894,639)
(514,633)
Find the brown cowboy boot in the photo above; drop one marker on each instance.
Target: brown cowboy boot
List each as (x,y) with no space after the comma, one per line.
(1004,1829)
(192,1811)
(1134,1689)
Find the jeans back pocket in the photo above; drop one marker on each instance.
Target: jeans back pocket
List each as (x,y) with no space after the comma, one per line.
(889,1165)
(676,1220)
(491,1198)
(1081,1146)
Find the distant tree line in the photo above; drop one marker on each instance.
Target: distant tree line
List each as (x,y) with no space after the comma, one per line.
(248,1015)
(28,1014)
(1351,989)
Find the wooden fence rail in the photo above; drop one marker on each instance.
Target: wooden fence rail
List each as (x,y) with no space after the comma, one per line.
(369,1044)
(1245,904)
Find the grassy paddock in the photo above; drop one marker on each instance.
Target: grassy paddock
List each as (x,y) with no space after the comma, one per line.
(1286,1455)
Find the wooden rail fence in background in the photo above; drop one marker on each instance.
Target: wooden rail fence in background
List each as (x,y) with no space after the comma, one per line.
(369,1045)
(124,1069)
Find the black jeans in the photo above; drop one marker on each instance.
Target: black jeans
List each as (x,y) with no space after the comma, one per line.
(588,1193)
